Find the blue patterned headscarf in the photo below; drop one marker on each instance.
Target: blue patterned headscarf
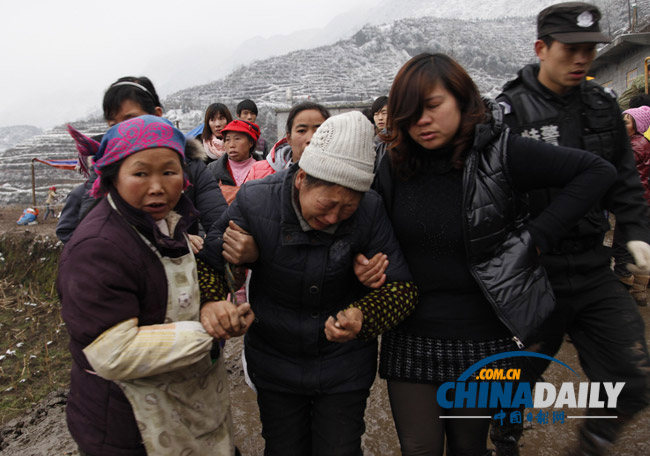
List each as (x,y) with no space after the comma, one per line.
(134,135)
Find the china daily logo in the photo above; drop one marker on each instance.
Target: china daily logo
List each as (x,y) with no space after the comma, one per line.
(499,389)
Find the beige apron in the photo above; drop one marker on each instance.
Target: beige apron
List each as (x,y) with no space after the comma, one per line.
(186,411)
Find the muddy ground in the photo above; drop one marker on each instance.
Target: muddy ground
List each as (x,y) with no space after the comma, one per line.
(42,429)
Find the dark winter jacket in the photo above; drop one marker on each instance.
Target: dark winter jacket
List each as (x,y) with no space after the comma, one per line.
(220,172)
(69,218)
(586,118)
(299,280)
(107,274)
(203,192)
(500,242)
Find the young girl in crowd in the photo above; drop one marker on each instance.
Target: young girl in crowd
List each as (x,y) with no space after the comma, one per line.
(637,121)
(311,353)
(453,183)
(304,119)
(231,170)
(217,116)
(130,97)
(142,379)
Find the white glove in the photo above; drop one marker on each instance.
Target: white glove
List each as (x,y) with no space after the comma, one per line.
(641,253)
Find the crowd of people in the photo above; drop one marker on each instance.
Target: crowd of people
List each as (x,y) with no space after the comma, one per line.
(453,226)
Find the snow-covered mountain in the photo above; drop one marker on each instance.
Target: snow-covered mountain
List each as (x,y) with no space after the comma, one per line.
(15,134)
(357,65)
(362,67)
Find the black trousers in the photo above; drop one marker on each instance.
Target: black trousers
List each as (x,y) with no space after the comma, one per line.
(318,424)
(606,328)
(604,324)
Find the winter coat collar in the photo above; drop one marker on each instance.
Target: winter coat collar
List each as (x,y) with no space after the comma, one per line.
(528,77)
(280,156)
(182,217)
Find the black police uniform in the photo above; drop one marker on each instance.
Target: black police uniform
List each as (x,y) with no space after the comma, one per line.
(593,306)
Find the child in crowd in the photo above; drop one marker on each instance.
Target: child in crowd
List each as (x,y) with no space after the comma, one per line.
(51,199)
(637,121)
(247,110)
(142,380)
(217,116)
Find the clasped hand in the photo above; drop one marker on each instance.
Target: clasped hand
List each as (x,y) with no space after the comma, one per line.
(345,326)
(223,320)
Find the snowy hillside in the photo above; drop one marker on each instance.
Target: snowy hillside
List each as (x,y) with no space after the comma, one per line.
(362,67)
(483,36)
(13,135)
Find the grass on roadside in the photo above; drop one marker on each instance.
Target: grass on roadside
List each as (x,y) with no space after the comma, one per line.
(34,357)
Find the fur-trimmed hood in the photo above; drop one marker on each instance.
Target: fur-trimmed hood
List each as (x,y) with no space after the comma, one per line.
(194,150)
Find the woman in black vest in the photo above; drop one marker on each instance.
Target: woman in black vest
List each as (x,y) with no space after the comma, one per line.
(453,183)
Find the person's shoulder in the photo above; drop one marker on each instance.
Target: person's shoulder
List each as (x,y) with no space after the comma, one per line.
(102,224)
(259,170)
(262,189)
(603,94)
(370,204)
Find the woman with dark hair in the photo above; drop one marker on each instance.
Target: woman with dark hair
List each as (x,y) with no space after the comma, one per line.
(454,184)
(303,121)
(131,97)
(217,116)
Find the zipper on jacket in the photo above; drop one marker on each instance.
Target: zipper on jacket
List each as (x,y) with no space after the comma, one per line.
(469,173)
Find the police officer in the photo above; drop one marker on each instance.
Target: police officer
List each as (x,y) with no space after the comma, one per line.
(553,102)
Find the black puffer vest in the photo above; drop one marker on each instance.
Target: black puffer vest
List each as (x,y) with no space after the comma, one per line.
(500,252)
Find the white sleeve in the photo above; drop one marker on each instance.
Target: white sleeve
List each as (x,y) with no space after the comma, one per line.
(128,351)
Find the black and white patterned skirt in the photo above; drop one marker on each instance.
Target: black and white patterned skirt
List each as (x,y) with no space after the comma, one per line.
(418,359)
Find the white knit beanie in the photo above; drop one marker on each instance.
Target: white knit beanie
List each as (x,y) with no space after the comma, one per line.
(342,152)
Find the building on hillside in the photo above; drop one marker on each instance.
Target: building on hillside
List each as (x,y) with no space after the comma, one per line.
(621,61)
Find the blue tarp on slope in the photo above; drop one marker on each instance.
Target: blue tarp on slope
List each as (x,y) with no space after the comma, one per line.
(194,132)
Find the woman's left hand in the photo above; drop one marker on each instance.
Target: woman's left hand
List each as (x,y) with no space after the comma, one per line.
(345,327)
(196,242)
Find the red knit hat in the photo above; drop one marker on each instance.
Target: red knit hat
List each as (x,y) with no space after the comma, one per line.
(243,126)
(53,188)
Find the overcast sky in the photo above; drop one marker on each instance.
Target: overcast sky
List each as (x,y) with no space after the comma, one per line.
(58,57)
